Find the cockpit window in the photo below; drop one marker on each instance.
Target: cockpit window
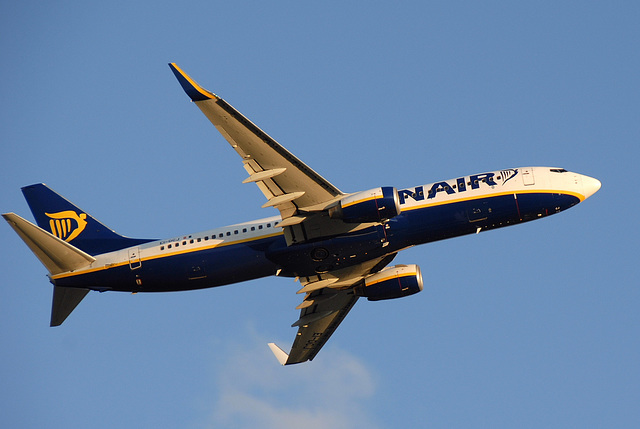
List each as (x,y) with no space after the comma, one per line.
(558,170)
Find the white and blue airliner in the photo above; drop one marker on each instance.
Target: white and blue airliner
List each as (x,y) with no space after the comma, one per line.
(337,245)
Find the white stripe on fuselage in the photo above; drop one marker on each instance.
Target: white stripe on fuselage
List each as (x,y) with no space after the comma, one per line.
(502,182)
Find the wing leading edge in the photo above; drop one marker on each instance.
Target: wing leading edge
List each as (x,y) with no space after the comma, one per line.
(287,182)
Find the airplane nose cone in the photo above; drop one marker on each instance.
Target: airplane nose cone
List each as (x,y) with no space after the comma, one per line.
(590,186)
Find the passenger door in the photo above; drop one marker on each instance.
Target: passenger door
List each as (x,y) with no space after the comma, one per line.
(134,258)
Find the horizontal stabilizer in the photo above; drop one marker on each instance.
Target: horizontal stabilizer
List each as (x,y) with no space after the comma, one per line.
(56,255)
(65,300)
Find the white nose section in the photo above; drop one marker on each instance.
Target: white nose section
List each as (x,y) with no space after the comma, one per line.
(590,186)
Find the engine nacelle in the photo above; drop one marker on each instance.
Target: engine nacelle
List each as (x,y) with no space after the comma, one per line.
(374,205)
(394,282)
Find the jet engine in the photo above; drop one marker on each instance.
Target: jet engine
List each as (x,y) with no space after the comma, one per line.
(393,282)
(374,205)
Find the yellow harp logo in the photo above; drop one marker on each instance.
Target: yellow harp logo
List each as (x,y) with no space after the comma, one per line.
(67,225)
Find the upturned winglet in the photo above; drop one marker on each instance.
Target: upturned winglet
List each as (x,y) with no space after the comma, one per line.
(280,354)
(193,90)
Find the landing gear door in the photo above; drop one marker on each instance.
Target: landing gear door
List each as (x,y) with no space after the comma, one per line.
(134,258)
(527,177)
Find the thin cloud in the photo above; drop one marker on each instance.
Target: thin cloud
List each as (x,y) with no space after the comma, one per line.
(254,391)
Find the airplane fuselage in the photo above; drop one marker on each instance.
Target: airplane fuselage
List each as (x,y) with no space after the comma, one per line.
(251,250)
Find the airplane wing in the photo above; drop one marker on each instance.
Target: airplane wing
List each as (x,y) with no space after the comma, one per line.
(316,324)
(329,298)
(302,196)
(287,183)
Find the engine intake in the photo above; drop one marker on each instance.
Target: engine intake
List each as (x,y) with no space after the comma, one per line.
(374,205)
(390,283)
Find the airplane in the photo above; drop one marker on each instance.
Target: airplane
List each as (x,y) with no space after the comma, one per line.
(337,245)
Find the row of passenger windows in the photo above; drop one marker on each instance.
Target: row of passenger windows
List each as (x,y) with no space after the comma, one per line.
(220,235)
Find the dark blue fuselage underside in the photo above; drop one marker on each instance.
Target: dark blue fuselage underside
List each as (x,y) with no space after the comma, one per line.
(263,257)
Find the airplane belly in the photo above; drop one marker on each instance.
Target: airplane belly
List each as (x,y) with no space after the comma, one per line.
(439,222)
(188,271)
(310,258)
(208,268)
(535,205)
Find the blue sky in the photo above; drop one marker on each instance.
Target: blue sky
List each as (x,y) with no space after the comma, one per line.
(531,326)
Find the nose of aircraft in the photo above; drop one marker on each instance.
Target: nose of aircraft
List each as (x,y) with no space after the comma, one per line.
(590,186)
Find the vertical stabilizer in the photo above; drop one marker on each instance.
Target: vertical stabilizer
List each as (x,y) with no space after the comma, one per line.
(65,220)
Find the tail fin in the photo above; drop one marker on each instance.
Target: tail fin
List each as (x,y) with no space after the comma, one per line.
(66,221)
(58,257)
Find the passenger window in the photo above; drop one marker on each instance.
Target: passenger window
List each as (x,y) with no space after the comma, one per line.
(221,235)
(268,225)
(259,226)
(253,228)
(161,247)
(228,233)
(235,232)
(244,229)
